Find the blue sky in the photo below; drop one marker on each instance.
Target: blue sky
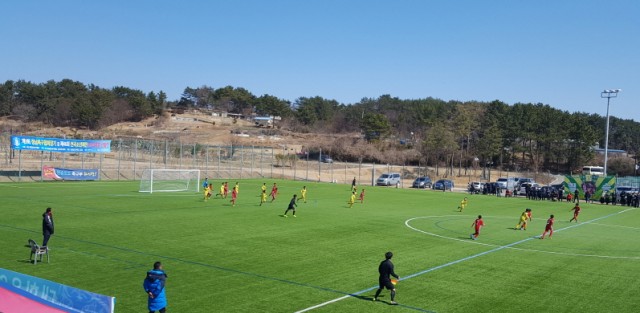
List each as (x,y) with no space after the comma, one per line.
(561,53)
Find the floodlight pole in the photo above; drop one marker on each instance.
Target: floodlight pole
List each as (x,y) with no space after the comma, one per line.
(609,93)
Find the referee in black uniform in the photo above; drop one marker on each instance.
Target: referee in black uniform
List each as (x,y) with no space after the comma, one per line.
(292,206)
(386,270)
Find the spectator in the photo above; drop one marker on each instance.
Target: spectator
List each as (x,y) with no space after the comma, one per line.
(47,226)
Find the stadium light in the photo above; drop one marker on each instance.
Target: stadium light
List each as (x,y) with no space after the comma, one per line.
(608,93)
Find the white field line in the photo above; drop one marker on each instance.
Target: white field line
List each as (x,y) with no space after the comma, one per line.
(620,226)
(453,262)
(520,249)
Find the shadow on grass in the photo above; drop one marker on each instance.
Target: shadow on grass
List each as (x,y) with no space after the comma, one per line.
(25,261)
(368,298)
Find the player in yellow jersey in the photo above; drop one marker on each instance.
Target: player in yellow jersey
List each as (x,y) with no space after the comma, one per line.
(207,193)
(463,204)
(263,197)
(352,200)
(525,217)
(264,187)
(221,194)
(237,187)
(303,194)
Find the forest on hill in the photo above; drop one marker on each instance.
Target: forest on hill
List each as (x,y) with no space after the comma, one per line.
(451,134)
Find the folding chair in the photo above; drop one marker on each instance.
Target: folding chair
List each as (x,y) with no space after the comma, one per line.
(36,251)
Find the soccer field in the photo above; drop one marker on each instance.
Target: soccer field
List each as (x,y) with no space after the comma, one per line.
(249,258)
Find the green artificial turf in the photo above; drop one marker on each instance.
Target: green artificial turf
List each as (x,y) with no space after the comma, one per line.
(249,258)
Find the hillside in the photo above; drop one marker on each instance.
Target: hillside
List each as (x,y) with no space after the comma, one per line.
(197,128)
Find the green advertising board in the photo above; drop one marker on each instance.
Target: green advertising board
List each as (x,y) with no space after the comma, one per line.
(595,184)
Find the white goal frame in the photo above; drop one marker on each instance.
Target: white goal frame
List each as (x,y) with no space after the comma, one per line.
(148,176)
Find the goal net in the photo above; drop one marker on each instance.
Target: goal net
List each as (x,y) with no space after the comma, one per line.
(168,180)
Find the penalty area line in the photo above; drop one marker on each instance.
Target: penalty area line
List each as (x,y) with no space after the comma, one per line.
(414,275)
(435,268)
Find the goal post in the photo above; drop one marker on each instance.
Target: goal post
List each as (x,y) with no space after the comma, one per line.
(169,180)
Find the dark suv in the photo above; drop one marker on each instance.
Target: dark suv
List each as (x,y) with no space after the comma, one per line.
(443,184)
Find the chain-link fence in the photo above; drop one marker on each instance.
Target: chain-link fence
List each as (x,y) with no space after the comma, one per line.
(129,157)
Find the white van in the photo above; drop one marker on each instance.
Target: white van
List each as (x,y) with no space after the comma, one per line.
(389,179)
(507,183)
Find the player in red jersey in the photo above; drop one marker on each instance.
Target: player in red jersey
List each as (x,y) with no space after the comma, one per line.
(234,196)
(361,195)
(226,189)
(478,223)
(576,210)
(548,228)
(274,192)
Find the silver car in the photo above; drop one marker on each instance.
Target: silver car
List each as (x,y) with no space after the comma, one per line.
(476,186)
(389,179)
(422,182)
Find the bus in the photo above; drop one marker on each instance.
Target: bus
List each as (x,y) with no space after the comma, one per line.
(592,170)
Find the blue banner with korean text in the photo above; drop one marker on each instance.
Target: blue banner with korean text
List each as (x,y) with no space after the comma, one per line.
(70,174)
(60,145)
(23,293)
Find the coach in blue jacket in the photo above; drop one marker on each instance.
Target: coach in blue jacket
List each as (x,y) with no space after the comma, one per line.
(154,286)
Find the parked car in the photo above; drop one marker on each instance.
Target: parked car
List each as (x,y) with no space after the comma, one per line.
(523,188)
(476,187)
(443,184)
(626,189)
(314,155)
(388,179)
(522,181)
(325,158)
(490,188)
(506,183)
(558,188)
(422,182)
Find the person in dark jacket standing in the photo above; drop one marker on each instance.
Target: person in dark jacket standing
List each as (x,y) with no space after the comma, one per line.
(154,286)
(47,226)
(386,271)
